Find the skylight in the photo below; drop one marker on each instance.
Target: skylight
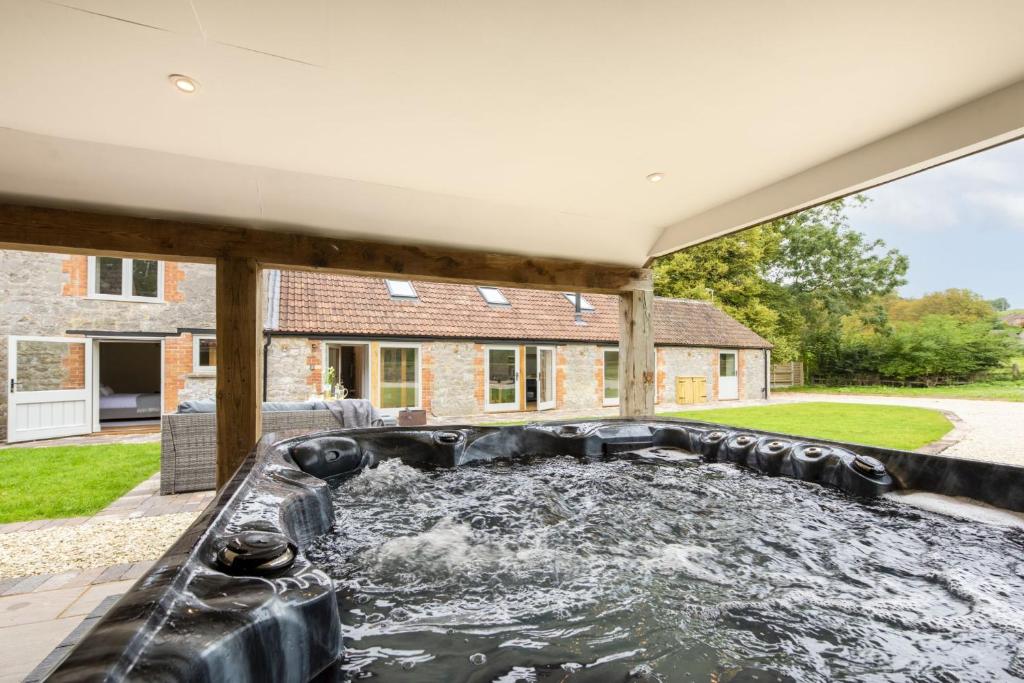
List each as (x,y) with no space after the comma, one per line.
(584,304)
(401,289)
(493,295)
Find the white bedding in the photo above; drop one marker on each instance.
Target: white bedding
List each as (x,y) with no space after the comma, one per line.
(129,406)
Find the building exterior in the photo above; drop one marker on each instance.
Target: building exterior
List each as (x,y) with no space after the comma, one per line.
(77,327)
(90,342)
(457,350)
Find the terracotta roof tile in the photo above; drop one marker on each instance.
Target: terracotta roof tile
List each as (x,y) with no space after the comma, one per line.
(321,303)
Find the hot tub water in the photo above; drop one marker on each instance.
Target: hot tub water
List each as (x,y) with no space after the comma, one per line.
(662,569)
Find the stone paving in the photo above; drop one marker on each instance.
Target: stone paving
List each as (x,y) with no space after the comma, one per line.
(38,612)
(144,434)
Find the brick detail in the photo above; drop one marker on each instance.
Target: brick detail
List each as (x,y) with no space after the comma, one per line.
(659,363)
(173,276)
(314,361)
(560,378)
(739,374)
(599,377)
(177,368)
(426,376)
(74,367)
(713,360)
(479,380)
(76,268)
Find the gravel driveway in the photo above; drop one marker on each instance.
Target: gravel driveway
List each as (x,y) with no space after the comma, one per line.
(991,430)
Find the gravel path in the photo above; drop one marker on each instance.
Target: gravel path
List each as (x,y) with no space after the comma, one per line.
(991,430)
(94,544)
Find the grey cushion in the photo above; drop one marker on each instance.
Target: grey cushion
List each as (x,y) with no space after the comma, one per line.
(189,407)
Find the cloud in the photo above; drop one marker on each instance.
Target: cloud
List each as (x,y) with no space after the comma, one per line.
(909,205)
(1007,205)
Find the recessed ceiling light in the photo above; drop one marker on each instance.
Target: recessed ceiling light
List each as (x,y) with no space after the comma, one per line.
(183,83)
(656,177)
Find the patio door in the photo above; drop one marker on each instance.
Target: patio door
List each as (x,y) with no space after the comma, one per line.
(501,374)
(728,382)
(49,393)
(545,377)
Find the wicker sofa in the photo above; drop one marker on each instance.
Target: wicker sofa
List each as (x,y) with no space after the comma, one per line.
(188,442)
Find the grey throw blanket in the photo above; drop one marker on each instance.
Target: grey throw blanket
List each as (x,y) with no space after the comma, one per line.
(353,412)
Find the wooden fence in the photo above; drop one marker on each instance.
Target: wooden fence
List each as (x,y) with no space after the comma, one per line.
(787,375)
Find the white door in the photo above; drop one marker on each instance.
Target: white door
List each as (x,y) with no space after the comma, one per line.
(49,387)
(545,377)
(728,382)
(501,375)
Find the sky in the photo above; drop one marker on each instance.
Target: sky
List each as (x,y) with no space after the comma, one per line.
(961,224)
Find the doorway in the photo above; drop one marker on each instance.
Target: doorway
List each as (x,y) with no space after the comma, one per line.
(540,377)
(728,381)
(127,383)
(351,369)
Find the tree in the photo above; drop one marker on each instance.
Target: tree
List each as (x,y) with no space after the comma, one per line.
(791,280)
(1001,304)
(935,347)
(730,273)
(961,304)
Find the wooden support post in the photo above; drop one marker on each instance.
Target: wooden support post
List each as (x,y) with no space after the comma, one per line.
(636,353)
(239,362)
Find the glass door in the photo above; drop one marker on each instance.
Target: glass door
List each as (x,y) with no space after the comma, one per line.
(49,393)
(501,375)
(545,377)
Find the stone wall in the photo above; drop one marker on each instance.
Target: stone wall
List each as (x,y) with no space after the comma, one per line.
(455,378)
(289,369)
(679,361)
(752,379)
(579,377)
(46,295)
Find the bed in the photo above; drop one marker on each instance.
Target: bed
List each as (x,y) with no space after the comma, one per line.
(114,406)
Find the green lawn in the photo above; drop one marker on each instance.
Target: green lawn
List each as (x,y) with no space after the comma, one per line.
(70,481)
(993,391)
(888,426)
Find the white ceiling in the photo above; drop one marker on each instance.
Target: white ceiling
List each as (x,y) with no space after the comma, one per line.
(525,127)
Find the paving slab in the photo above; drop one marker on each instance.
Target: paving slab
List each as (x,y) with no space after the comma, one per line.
(29,608)
(93,596)
(23,646)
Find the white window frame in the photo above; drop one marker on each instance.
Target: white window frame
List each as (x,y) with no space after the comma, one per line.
(501,407)
(126,279)
(378,390)
(198,369)
(605,401)
(504,299)
(389,282)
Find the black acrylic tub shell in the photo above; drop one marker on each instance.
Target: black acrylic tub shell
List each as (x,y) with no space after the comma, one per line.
(197,617)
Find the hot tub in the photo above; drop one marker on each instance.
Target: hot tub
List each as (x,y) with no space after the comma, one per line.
(589,551)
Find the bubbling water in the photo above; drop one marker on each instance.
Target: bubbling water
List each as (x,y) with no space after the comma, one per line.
(554,569)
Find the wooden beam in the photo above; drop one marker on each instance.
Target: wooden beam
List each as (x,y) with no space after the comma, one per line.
(239,362)
(81,232)
(636,354)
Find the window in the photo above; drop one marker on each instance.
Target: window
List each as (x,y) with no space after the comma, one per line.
(611,377)
(204,354)
(125,278)
(584,304)
(399,377)
(727,364)
(493,295)
(401,289)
